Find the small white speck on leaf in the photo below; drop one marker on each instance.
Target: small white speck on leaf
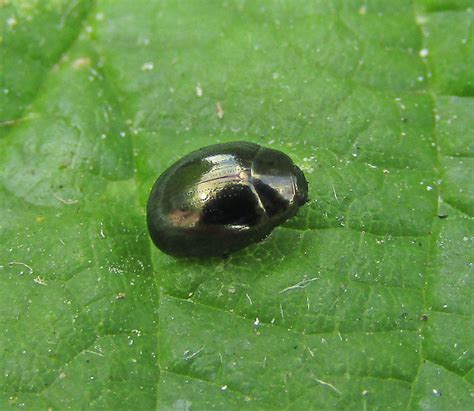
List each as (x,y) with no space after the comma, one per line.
(115,270)
(248,298)
(94,352)
(199,91)
(429,188)
(299,285)
(22,264)
(101,233)
(188,355)
(65,200)
(256,322)
(219,110)
(81,62)
(420,19)
(40,281)
(436,392)
(148,66)
(224,387)
(11,22)
(424,53)
(328,385)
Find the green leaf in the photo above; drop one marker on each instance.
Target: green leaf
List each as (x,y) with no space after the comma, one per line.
(363,301)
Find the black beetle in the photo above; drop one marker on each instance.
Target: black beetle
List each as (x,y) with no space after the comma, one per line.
(223,197)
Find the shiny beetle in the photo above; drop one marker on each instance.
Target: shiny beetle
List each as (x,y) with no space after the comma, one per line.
(221,198)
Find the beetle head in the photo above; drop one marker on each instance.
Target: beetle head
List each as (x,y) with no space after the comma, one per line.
(301,186)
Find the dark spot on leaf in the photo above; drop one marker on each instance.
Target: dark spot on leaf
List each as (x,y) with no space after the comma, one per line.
(424,317)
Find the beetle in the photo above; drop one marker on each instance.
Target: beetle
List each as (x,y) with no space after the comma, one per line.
(222,198)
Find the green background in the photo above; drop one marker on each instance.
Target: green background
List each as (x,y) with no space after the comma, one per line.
(364,301)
